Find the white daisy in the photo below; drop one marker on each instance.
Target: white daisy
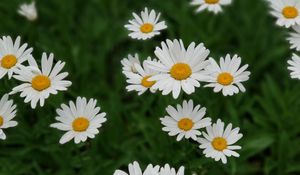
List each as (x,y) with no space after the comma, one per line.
(294,38)
(7,113)
(81,120)
(139,82)
(28,11)
(179,68)
(294,66)
(211,5)
(146,26)
(218,143)
(287,12)
(167,170)
(228,76)
(185,121)
(134,169)
(12,55)
(128,64)
(39,84)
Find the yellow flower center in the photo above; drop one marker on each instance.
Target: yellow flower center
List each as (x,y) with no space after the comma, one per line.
(225,78)
(181,71)
(211,1)
(146,28)
(219,143)
(1,120)
(147,83)
(185,124)
(80,124)
(40,82)
(290,12)
(8,61)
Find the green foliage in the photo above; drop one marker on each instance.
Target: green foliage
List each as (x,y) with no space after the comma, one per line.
(90,37)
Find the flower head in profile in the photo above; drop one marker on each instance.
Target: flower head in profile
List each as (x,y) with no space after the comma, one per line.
(185,121)
(7,113)
(294,38)
(145,26)
(12,55)
(140,81)
(28,11)
(128,64)
(178,67)
(294,66)
(217,143)
(38,84)
(228,76)
(135,169)
(214,6)
(287,12)
(80,120)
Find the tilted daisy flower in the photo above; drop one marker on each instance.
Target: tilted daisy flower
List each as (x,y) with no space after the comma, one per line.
(7,113)
(227,77)
(211,5)
(39,84)
(128,64)
(80,120)
(167,170)
(294,38)
(12,55)
(179,68)
(140,81)
(145,26)
(287,12)
(218,143)
(185,121)
(294,66)
(135,169)
(28,11)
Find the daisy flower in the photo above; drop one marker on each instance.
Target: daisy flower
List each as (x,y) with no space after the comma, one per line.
(7,113)
(140,82)
(179,68)
(294,66)
(28,11)
(185,121)
(12,55)
(167,170)
(294,38)
(135,169)
(128,64)
(217,142)
(146,26)
(80,121)
(210,5)
(228,76)
(286,12)
(39,84)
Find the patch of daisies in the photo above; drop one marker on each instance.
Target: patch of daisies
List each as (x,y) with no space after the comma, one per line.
(176,69)
(80,120)
(287,14)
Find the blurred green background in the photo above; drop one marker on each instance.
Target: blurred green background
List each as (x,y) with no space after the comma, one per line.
(90,36)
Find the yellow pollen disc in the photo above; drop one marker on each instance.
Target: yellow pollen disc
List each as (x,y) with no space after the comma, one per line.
(147,83)
(80,124)
(1,120)
(225,78)
(181,71)
(185,124)
(8,61)
(219,143)
(40,82)
(146,28)
(211,1)
(290,12)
